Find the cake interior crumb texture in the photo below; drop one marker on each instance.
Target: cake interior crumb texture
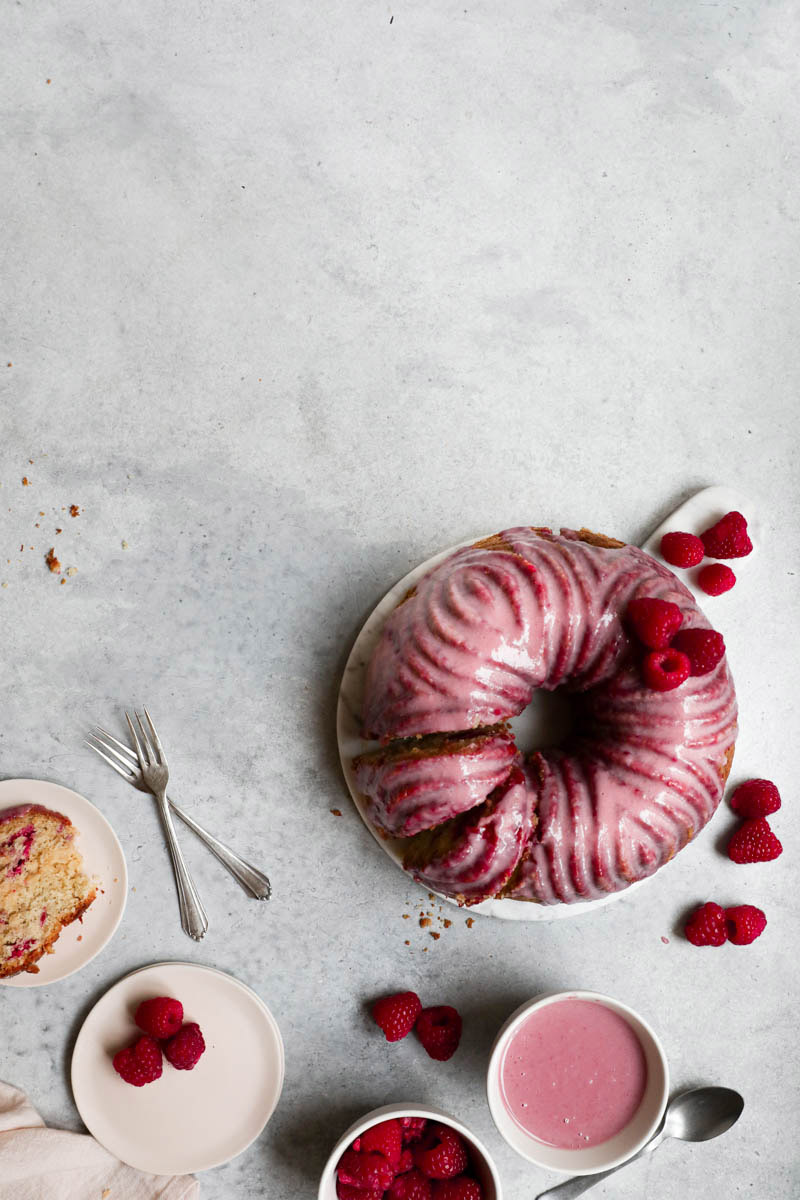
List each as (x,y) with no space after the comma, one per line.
(43,886)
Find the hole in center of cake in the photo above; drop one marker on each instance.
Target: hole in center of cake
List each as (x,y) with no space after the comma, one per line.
(547,721)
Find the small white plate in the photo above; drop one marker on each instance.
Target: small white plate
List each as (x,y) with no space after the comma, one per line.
(104,863)
(186,1121)
(697,514)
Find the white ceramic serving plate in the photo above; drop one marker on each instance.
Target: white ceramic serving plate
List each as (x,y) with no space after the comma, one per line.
(186,1121)
(605,1155)
(481,1162)
(104,863)
(702,510)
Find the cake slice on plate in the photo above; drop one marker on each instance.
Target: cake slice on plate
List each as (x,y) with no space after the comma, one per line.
(43,886)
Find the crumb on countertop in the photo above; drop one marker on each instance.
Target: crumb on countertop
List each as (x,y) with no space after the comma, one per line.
(470,922)
(424,922)
(337,812)
(25,481)
(52,561)
(125,545)
(74,510)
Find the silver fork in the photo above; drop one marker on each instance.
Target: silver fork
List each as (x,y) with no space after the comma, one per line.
(254,882)
(154,776)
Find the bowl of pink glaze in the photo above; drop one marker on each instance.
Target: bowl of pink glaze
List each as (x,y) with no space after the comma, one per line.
(480,1167)
(577,1082)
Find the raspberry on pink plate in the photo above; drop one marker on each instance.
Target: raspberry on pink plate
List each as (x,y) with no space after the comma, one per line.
(185,1048)
(139,1063)
(160,1017)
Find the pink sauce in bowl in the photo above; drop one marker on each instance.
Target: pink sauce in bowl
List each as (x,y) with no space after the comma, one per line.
(577,1082)
(573,1074)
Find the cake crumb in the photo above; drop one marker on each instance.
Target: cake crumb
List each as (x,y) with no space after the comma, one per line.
(59,531)
(424,949)
(406,916)
(62,582)
(470,922)
(125,545)
(106,1191)
(424,922)
(72,571)
(74,510)
(25,481)
(337,812)
(52,561)
(435,936)
(79,938)
(447,923)
(406,942)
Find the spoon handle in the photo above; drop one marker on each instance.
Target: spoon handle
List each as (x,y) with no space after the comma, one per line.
(581,1183)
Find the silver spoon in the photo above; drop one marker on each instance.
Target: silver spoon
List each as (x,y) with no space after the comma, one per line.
(694,1116)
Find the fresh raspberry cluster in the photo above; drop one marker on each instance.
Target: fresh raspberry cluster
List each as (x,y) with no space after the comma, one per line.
(727,539)
(407,1158)
(163,1031)
(672,654)
(438,1028)
(753,841)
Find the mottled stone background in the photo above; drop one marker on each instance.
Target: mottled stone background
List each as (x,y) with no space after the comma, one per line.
(295,296)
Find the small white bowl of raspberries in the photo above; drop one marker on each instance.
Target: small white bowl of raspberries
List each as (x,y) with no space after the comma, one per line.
(409,1152)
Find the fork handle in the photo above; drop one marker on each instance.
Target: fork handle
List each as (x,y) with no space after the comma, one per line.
(254,882)
(193,917)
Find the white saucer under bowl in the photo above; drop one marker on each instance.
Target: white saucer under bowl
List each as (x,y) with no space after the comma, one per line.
(104,863)
(186,1121)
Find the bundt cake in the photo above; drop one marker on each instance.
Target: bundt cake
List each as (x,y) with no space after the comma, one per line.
(640,774)
(42,884)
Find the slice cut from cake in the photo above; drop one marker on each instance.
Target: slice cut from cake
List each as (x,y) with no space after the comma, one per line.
(43,886)
(420,782)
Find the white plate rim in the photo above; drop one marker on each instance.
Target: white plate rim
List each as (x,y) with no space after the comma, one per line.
(64,798)
(696,513)
(271,1023)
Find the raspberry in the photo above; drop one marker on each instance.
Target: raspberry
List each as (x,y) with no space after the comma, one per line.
(405,1162)
(441,1154)
(754,841)
(346,1191)
(160,1017)
(365,1170)
(728,538)
(655,622)
(386,1138)
(715,579)
(682,549)
(664,670)
(457,1189)
(756,798)
(413,1186)
(703,647)
(706,926)
(745,923)
(439,1030)
(396,1014)
(185,1047)
(139,1063)
(413,1129)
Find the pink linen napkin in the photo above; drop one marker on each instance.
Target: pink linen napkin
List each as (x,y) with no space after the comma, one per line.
(38,1163)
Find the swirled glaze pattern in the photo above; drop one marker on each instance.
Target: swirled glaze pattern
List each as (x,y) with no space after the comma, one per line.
(643,771)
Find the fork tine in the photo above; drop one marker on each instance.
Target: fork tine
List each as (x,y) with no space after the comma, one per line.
(125,774)
(148,749)
(156,739)
(126,761)
(110,738)
(139,752)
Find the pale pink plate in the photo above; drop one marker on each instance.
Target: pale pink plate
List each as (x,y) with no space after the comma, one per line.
(104,863)
(186,1121)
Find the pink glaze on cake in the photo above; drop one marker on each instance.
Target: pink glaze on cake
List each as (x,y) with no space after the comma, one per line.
(573,1074)
(643,771)
(409,791)
(483,851)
